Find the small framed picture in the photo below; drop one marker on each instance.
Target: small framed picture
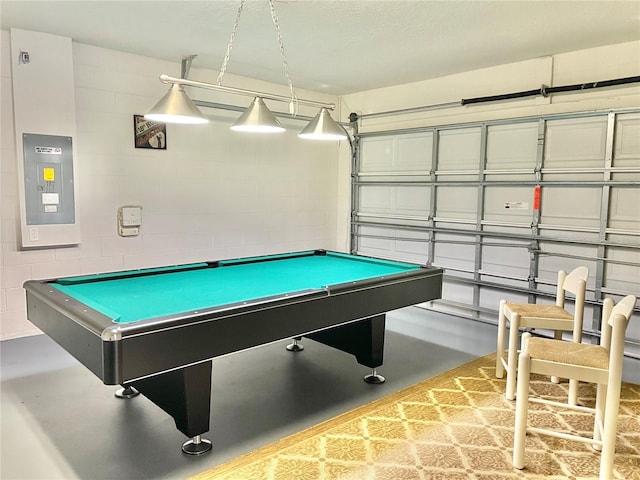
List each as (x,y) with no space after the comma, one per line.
(148,134)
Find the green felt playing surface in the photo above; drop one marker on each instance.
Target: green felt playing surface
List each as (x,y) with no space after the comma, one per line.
(160,292)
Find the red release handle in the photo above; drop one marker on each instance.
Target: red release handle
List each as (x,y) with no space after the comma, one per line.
(536,197)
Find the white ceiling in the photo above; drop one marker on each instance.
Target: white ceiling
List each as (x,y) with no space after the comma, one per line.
(337,46)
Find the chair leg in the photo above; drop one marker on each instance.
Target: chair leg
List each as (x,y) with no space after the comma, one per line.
(557,335)
(573,392)
(611,408)
(522,410)
(514,330)
(601,391)
(502,327)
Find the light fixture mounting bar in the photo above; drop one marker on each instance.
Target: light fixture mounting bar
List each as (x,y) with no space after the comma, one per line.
(241,91)
(237,108)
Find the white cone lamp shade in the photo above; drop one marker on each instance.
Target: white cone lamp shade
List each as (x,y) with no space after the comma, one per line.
(323,127)
(257,118)
(176,107)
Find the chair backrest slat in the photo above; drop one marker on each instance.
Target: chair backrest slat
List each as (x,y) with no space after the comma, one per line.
(624,307)
(572,282)
(611,318)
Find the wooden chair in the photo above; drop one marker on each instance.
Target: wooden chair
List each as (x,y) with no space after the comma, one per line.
(600,364)
(552,317)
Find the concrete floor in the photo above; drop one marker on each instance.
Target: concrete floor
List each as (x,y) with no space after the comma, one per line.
(58,421)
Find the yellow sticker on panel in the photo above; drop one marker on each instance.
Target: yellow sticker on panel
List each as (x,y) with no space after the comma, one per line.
(49,174)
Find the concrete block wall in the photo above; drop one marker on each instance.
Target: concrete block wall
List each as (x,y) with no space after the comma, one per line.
(211,194)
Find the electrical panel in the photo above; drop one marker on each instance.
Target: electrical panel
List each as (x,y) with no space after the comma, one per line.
(48,179)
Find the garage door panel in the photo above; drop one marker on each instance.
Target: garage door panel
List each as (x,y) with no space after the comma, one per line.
(508,261)
(624,209)
(399,244)
(490,298)
(394,200)
(570,206)
(413,200)
(576,143)
(617,281)
(377,155)
(459,149)
(519,230)
(375,246)
(457,292)
(626,152)
(508,204)
(375,199)
(572,176)
(623,276)
(456,202)
(566,234)
(512,147)
(568,258)
(454,251)
(414,152)
(412,252)
(397,153)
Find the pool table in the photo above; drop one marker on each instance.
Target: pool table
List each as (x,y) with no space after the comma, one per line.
(156,330)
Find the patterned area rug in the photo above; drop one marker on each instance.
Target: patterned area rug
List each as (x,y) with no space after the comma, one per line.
(455,426)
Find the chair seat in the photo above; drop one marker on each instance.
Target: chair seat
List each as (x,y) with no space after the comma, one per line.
(569,353)
(529,310)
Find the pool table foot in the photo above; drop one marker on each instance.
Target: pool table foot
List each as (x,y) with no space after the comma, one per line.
(126,392)
(196,446)
(294,346)
(374,378)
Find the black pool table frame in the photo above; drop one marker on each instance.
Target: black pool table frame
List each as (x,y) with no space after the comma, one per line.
(169,359)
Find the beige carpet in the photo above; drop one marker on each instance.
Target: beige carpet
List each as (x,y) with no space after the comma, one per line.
(455,426)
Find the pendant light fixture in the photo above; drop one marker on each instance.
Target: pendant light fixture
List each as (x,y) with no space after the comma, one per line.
(177,107)
(322,127)
(257,118)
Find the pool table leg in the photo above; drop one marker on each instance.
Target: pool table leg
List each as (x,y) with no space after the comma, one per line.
(185,394)
(294,346)
(126,392)
(196,446)
(364,339)
(374,378)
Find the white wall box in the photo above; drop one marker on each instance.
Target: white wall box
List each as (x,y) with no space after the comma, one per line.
(45,125)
